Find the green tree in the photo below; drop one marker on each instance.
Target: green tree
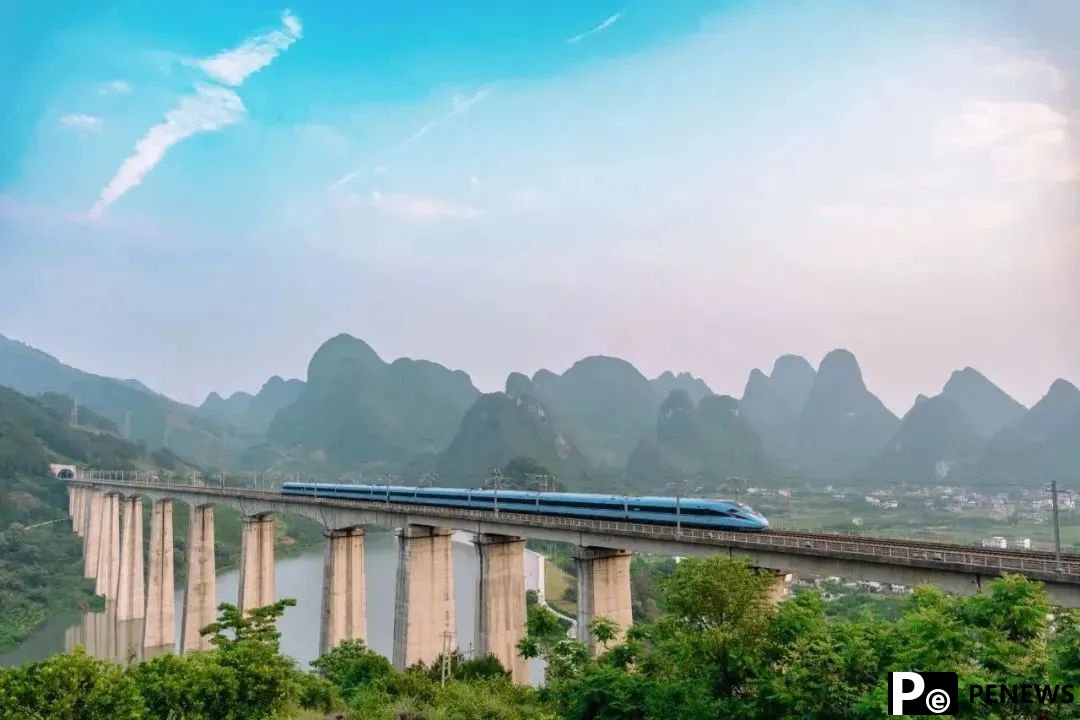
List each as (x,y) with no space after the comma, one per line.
(72,686)
(247,644)
(352,665)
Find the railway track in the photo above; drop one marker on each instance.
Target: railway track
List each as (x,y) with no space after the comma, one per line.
(922,545)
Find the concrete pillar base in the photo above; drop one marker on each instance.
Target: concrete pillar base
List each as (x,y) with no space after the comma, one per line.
(344,612)
(131,591)
(92,540)
(200,597)
(160,604)
(108,570)
(424,608)
(500,606)
(603,591)
(257,563)
(780,587)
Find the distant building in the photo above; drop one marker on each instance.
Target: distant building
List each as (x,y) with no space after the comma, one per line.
(995,542)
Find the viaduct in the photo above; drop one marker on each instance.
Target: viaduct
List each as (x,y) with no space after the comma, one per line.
(107,514)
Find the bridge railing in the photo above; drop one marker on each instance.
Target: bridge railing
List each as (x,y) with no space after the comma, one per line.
(824,545)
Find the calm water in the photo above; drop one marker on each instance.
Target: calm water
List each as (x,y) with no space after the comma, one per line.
(299,578)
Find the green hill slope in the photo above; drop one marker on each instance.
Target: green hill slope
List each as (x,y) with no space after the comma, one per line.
(710,441)
(499,428)
(357,409)
(153,419)
(40,557)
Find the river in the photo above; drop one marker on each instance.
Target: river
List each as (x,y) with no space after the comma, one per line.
(299,578)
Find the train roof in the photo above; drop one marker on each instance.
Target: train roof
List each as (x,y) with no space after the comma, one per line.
(689,502)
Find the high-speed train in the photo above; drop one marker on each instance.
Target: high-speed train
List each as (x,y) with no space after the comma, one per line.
(686,512)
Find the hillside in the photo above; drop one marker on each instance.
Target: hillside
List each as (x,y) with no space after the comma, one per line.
(40,560)
(773,404)
(252,413)
(708,442)
(355,408)
(498,428)
(987,407)
(153,419)
(934,437)
(843,425)
(1042,445)
(603,404)
(33,434)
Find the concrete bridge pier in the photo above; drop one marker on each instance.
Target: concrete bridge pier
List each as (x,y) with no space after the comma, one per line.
(92,539)
(131,588)
(778,591)
(344,610)
(78,521)
(424,607)
(200,596)
(74,499)
(603,591)
(257,562)
(500,602)
(108,570)
(160,628)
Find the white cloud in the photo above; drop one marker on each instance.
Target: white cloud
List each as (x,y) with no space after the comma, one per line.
(1025,141)
(210,108)
(115,87)
(232,67)
(474,181)
(421,209)
(82,123)
(599,28)
(1031,72)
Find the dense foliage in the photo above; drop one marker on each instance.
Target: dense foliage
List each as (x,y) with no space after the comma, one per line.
(40,558)
(719,651)
(33,433)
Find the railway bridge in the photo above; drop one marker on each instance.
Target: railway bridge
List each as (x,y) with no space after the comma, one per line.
(107,513)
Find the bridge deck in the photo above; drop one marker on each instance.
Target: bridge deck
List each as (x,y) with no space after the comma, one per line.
(957,558)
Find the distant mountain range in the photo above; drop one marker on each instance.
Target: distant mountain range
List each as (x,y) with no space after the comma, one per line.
(138,413)
(357,409)
(358,414)
(252,413)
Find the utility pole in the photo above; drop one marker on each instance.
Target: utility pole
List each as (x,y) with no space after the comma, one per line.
(678,509)
(496,481)
(75,413)
(1057,527)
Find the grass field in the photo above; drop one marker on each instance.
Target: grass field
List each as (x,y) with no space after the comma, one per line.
(556,580)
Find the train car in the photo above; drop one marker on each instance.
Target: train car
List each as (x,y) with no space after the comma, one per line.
(687,512)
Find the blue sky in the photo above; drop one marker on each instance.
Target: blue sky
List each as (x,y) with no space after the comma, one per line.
(198,194)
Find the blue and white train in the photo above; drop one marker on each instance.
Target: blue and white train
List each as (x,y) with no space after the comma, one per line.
(687,512)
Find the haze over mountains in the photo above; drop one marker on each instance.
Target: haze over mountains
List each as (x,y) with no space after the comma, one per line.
(599,424)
